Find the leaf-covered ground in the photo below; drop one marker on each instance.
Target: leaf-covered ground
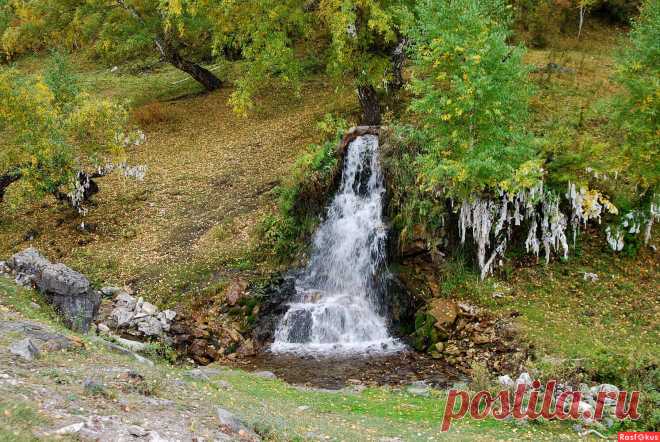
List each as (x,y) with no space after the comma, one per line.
(211,178)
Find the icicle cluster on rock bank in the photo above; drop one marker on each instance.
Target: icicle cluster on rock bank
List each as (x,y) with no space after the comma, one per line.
(492,221)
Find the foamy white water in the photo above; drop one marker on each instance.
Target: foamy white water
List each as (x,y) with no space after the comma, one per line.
(335,309)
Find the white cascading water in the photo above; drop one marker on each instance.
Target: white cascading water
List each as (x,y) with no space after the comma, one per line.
(335,309)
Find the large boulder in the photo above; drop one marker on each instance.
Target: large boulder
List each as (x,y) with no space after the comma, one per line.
(61,280)
(398,305)
(71,294)
(444,311)
(67,290)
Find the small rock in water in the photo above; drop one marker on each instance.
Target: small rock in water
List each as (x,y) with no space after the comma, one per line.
(25,348)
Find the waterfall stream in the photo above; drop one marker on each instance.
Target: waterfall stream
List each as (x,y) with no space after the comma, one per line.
(335,309)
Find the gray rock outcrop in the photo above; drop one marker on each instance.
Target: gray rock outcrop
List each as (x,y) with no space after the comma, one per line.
(139,318)
(25,349)
(68,291)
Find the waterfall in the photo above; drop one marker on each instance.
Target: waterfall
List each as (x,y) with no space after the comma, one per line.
(338,296)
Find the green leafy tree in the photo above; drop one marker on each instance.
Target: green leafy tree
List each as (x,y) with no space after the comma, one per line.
(637,126)
(359,43)
(55,138)
(471,93)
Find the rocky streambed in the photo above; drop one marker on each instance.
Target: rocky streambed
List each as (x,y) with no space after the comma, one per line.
(334,372)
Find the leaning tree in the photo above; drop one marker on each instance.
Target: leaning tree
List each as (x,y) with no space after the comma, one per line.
(115,30)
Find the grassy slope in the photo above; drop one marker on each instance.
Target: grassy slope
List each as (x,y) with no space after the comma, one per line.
(210,179)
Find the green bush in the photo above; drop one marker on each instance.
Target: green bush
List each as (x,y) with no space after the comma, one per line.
(471,93)
(637,124)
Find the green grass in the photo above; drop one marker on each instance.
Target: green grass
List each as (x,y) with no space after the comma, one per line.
(565,315)
(26,302)
(369,415)
(17,421)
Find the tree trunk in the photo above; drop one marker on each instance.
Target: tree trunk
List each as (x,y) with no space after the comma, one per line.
(398,58)
(7,179)
(203,76)
(370,107)
(86,188)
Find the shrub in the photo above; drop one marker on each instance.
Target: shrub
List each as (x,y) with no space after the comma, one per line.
(637,122)
(152,113)
(53,131)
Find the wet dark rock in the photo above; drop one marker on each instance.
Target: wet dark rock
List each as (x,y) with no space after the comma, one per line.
(274,305)
(399,306)
(300,328)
